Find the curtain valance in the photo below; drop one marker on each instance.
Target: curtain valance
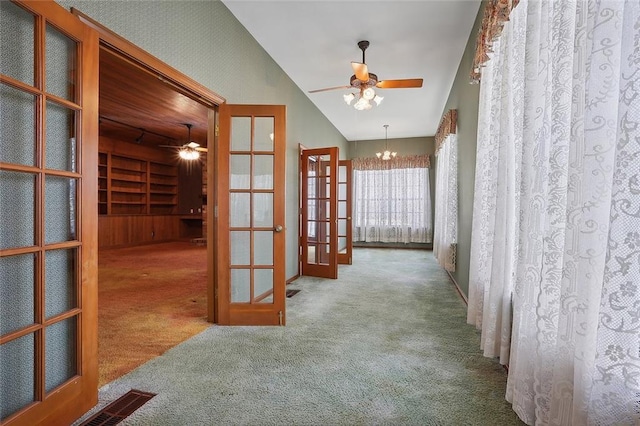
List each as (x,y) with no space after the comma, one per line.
(496,13)
(404,162)
(447,127)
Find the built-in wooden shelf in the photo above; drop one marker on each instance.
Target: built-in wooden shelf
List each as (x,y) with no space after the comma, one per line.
(130,185)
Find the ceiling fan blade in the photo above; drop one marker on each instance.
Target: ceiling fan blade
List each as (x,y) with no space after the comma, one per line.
(169,146)
(361,71)
(329,88)
(201,149)
(400,84)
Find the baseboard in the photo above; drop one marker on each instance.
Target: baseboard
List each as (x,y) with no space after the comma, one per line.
(413,246)
(460,292)
(292,279)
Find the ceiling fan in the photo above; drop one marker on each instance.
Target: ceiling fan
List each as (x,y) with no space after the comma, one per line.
(190,150)
(363,80)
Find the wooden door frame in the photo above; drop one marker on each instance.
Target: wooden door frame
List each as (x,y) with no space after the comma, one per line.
(316,270)
(345,258)
(190,88)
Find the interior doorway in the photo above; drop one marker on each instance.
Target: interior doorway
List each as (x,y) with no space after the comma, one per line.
(152,263)
(153,220)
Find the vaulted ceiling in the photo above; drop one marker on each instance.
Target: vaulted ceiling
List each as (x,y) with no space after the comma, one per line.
(315,41)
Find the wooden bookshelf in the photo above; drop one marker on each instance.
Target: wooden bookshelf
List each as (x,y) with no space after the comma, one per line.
(204,198)
(129,185)
(163,188)
(103,183)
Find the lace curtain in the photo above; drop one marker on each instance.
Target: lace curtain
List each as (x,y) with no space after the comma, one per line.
(445,226)
(391,200)
(555,270)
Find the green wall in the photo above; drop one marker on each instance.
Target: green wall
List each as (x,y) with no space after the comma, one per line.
(464,97)
(205,41)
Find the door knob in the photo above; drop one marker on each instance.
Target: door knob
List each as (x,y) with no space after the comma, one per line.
(278,228)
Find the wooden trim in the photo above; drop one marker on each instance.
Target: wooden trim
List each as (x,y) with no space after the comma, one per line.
(65,244)
(292,279)
(329,270)
(212,216)
(19,251)
(460,292)
(64,102)
(300,181)
(88,227)
(33,328)
(250,313)
(17,84)
(149,63)
(262,296)
(78,394)
(346,258)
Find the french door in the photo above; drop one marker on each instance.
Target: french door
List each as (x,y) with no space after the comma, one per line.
(250,257)
(320,212)
(48,214)
(345,227)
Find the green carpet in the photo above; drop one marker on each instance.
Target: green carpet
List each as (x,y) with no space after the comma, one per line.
(387,343)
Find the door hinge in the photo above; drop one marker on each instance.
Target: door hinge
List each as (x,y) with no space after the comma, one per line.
(280,317)
(217,130)
(215,212)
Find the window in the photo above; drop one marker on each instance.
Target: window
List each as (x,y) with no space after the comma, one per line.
(392,201)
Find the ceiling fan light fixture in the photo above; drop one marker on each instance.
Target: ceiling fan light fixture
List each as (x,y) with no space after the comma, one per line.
(362,104)
(368,93)
(364,82)
(348,98)
(189,154)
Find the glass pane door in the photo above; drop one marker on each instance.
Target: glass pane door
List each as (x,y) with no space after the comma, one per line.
(345,231)
(320,212)
(48,188)
(250,279)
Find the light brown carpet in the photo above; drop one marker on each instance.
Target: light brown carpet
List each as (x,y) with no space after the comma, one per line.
(150,299)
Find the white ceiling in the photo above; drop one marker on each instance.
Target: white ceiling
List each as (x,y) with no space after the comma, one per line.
(314,42)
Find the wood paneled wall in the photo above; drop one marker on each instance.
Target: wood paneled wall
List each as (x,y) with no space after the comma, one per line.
(120,231)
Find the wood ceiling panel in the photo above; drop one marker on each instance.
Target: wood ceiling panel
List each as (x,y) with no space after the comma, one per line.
(135,103)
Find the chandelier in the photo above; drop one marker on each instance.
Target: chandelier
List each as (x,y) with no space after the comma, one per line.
(363,99)
(386,155)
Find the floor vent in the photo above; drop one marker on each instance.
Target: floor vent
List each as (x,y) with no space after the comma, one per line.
(291,293)
(119,409)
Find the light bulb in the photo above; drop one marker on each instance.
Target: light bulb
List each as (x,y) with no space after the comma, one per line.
(362,104)
(189,154)
(368,93)
(348,98)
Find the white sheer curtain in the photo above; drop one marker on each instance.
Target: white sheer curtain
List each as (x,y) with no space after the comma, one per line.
(391,200)
(556,227)
(445,232)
